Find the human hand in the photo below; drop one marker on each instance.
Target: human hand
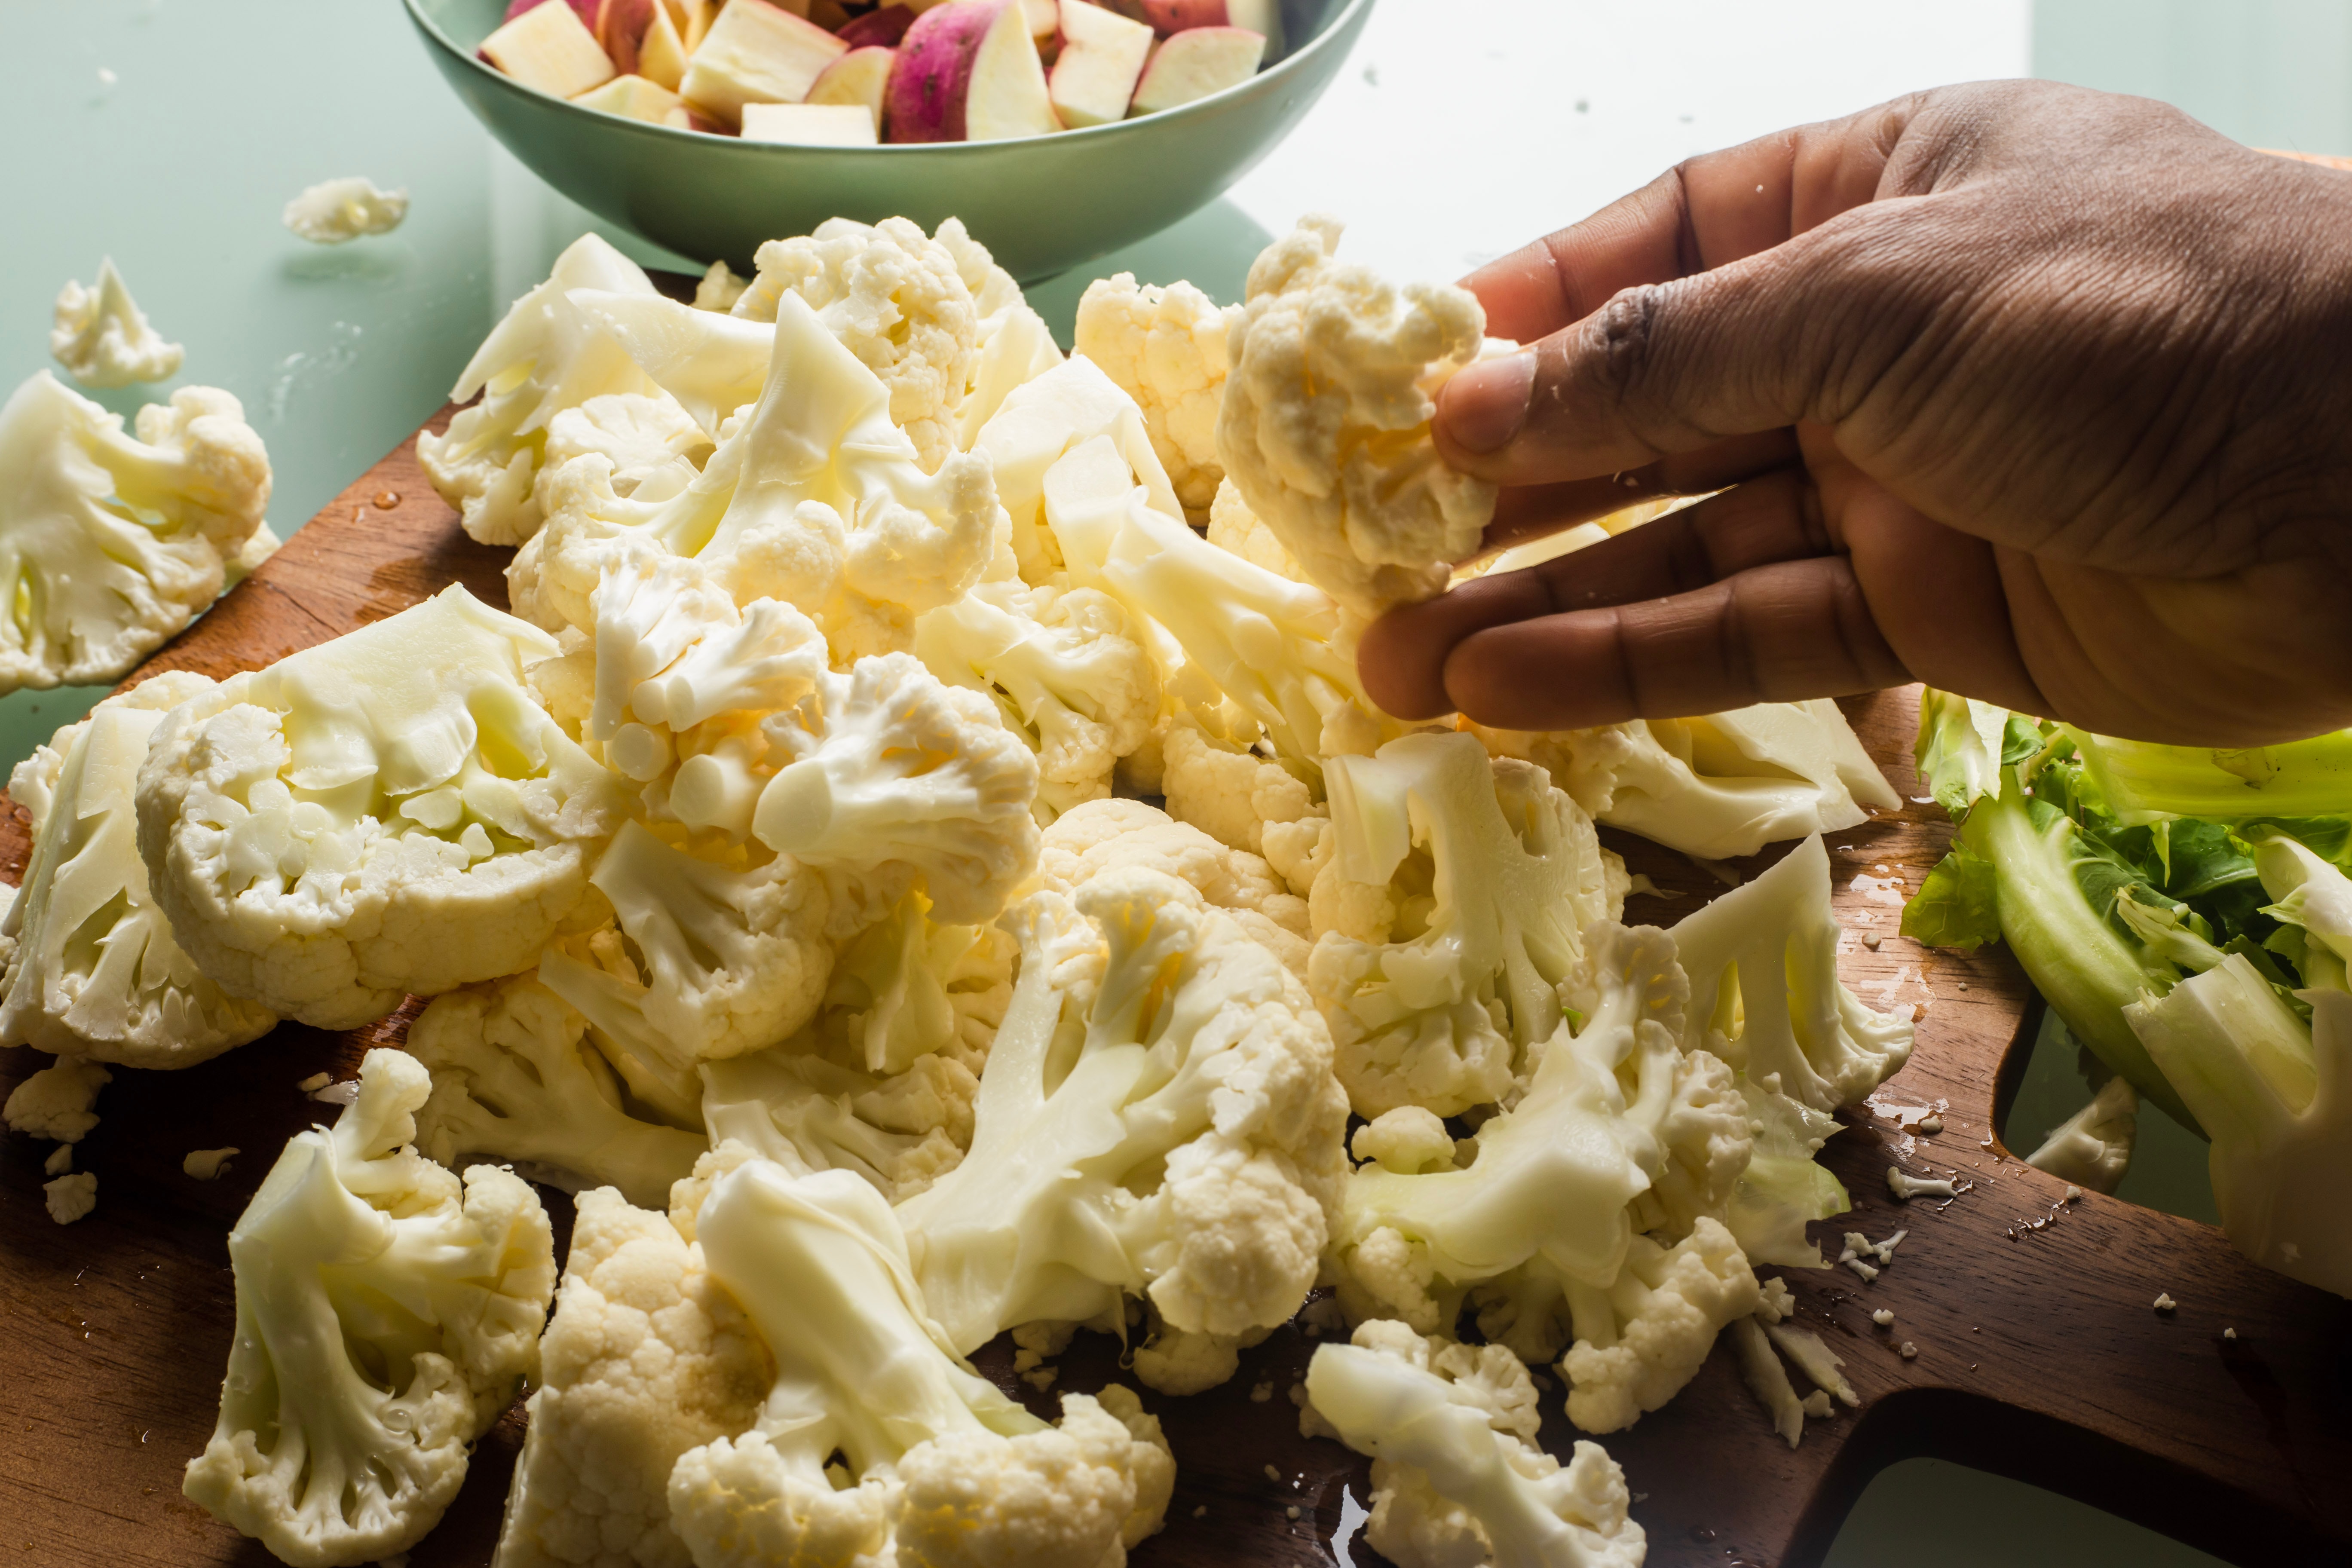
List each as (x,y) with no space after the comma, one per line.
(2037,395)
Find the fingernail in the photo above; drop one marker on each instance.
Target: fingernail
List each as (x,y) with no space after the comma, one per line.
(1485,403)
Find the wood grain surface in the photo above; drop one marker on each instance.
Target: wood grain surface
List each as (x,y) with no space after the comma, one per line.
(2040,1354)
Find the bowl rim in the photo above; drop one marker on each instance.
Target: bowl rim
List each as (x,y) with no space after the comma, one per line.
(1320,42)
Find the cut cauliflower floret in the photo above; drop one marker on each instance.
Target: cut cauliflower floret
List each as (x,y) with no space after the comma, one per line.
(1106,835)
(1065,671)
(935,1467)
(387,814)
(57,1101)
(897,299)
(1166,349)
(709,364)
(386,1315)
(1485,874)
(1065,406)
(1457,1478)
(1190,1152)
(645,1358)
(1246,802)
(111,544)
(545,356)
(517,1079)
(1643,1337)
(1233,527)
(651,443)
(1325,423)
(335,212)
(720,288)
(102,338)
(96,971)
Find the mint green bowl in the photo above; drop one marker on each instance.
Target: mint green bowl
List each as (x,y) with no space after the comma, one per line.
(1043,206)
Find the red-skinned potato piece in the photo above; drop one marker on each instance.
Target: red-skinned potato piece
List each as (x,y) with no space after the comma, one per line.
(861,77)
(1170,16)
(968,71)
(584,9)
(621,27)
(881,27)
(1196,62)
(1102,58)
(548,49)
(756,53)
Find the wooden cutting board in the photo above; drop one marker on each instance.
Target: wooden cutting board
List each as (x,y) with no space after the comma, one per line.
(2039,1355)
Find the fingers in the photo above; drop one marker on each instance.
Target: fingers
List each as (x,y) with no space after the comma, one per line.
(1528,511)
(1938,594)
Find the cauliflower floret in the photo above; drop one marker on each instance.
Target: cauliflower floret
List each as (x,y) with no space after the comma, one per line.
(651,443)
(1437,1008)
(1638,1341)
(1233,527)
(1325,423)
(645,1358)
(709,364)
(1406,1140)
(545,356)
(71,1197)
(57,1101)
(97,971)
(937,1467)
(517,1079)
(386,1315)
(1457,1478)
(102,338)
(335,212)
(387,814)
(1036,424)
(895,299)
(1166,349)
(1249,803)
(1065,671)
(108,545)
(1106,835)
(720,288)
(898,780)
(1191,1152)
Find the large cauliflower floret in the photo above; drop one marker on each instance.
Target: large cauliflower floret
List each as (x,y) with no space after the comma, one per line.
(386,1315)
(1166,349)
(935,1467)
(544,357)
(1105,835)
(97,971)
(1067,674)
(1718,787)
(111,544)
(645,1358)
(895,299)
(1457,1478)
(387,814)
(898,780)
(102,338)
(1765,995)
(1482,874)
(1037,424)
(517,1079)
(1158,1119)
(1246,802)
(1325,423)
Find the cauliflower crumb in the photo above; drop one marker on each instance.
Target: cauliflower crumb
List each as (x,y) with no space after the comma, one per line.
(1261,1393)
(1907,1187)
(1817,1405)
(2164,1301)
(1869,1275)
(207,1164)
(59,1162)
(314,1083)
(1883,1317)
(2228,1333)
(1201,1511)
(1274,1475)
(1931,1123)
(335,212)
(2073,1193)
(56,1101)
(71,1197)
(1908,1351)
(1778,1304)
(1291,1513)
(1041,1378)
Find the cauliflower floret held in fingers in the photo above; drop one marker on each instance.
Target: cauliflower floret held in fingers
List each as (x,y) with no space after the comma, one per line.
(1457,1478)
(1324,427)
(1166,349)
(386,1314)
(111,543)
(1158,1119)
(878,1442)
(96,971)
(387,814)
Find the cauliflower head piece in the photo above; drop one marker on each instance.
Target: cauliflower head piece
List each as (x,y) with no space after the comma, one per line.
(935,1466)
(1324,426)
(102,338)
(386,1314)
(1458,1477)
(1105,835)
(389,813)
(1166,349)
(1159,1119)
(97,971)
(111,543)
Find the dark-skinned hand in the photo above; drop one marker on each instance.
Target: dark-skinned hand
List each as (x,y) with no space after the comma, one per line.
(2034,394)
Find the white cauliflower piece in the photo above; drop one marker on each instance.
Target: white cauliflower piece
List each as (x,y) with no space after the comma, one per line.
(1407,1141)
(1166,349)
(97,971)
(937,1468)
(545,356)
(709,364)
(515,1079)
(102,338)
(111,544)
(720,288)
(1643,1337)
(1457,1478)
(651,443)
(386,1315)
(1233,527)
(1190,1154)
(897,299)
(1065,406)
(2093,1148)
(1016,347)
(386,814)
(1248,802)
(1764,991)
(336,212)
(1325,423)
(1067,672)
(57,1101)
(71,1197)
(645,1358)
(1486,873)
(1105,835)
